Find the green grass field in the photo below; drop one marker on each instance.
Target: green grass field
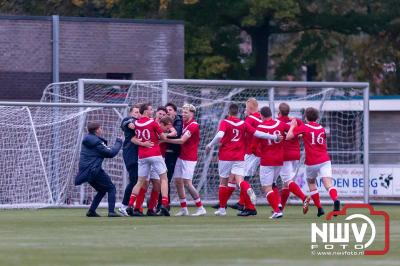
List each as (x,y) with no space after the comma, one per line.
(67,237)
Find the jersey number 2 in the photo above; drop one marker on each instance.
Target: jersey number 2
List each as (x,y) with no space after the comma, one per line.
(236,136)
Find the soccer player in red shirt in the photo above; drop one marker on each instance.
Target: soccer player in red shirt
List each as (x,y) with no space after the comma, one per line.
(291,157)
(166,125)
(146,129)
(271,158)
(186,163)
(317,161)
(231,165)
(252,158)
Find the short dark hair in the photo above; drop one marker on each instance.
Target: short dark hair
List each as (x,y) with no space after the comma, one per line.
(133,107)
(143,107)
(92,127)
(166,120)
(312,114)
(233,109)
(172,105)
(162,108)
(266,112)
(284,109)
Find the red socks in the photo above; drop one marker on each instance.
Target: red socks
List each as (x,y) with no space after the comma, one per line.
(315,198)
(132,200)
(224,193)
(244,186)
(140,198)
(285,196)
(333,193)
(276,190)
(164,201)
(221,195)
(198,202)
(183,203)
(295,189)
(273,200)
(153,200)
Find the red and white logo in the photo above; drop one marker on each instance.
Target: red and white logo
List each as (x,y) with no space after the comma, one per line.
(356,234)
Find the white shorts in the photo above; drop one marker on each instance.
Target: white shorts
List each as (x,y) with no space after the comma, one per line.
(319,170)
(153,174)
(268,174)
(154,163)
(184,169)
(288,170)
(226,168)
(252,162)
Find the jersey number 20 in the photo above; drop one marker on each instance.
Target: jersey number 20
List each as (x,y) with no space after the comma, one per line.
(145,134)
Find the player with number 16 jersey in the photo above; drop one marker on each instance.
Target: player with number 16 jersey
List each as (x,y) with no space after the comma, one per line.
(317,161)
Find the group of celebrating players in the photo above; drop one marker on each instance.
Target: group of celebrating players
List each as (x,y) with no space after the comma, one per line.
(166,148)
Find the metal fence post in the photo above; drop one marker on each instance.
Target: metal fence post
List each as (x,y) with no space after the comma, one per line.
(366,144)
(271,92)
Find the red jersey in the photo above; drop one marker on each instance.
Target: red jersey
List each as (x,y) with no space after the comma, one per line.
(291,147)
(314,138)
(147,129)
(190,147)
(233,143)
(272,150)
(253,120)
(163,148)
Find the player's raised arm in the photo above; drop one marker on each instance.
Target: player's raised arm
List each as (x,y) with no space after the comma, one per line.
(263,135)
(259,134)
(215,140)
(220,134)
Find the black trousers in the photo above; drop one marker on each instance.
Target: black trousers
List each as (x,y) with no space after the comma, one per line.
(102,183)
(133,177)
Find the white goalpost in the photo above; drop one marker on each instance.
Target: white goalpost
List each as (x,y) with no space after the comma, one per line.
(40,142)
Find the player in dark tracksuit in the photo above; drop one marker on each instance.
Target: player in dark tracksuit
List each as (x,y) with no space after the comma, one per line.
(94,151)
(172,150)
(130,155)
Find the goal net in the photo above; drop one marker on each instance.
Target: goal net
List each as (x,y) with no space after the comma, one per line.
(41,146)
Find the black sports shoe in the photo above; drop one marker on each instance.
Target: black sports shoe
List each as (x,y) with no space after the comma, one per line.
(320,212)
(92,214)
(163,211)
(129,210)
(247,212)
(336,206)
(114,214)
(237,206)
(216,206)
(137,213)
(151,213)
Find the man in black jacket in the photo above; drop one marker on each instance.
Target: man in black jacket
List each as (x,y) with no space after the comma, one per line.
(173,150)
(130,155)
(94,150)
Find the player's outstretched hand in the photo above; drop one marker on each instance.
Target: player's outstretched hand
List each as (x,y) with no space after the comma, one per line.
(147,144)
(279,137)
(293,123)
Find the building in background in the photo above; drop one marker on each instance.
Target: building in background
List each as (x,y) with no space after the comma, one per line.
(88,48)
